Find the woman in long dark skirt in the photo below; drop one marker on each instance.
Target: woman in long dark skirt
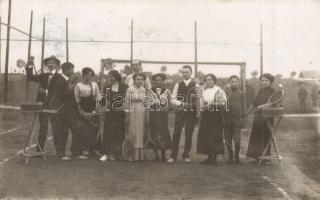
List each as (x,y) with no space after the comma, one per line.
(210,135)
(260,134)
(86,95)
(159,116)
(114,128)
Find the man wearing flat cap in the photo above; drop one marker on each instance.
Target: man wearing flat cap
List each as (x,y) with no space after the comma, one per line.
(44,79)
(136,66)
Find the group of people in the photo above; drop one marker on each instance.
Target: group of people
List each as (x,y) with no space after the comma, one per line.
(115,121)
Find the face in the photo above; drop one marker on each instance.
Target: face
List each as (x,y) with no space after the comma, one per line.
(68,72)
(136,68)
(51,65)
(209,82)
(111,79)
(158,82)
(139,81)
(265,82)
(234,82)
(186,73)
(87,77)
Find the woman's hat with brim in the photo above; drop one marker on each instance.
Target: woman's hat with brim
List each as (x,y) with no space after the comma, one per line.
(56,60)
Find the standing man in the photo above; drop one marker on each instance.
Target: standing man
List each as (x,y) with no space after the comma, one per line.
(185,98)
(52,64)
(232,118)
(62,91)
(136,66)
(302,95)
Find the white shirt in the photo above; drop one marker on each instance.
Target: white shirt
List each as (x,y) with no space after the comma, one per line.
(85,90)
(115,87)
(174,100)
(214,95)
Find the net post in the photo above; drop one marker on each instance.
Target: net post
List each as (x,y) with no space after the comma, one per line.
(43,43)
(29,53)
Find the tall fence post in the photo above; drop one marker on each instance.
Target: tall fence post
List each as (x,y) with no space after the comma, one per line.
(67,39)
(195,50)
(7,55)
(43,43)
(29,53)
(131,42)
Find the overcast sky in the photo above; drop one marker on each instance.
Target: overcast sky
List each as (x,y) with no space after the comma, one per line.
(227,31)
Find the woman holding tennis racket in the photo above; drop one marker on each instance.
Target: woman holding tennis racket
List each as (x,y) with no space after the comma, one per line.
(260,133)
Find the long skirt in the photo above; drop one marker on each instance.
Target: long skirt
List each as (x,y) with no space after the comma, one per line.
(113,133)
(159,129)
(259,137)
(210,135)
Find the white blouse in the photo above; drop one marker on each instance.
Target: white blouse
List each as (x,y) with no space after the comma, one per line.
(85,90)
(214,95)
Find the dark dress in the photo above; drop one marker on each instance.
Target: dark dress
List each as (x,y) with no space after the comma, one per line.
(114,127)
(260,133)
(159,120)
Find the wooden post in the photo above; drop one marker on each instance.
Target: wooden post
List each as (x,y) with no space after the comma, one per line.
(7,55)
(67,40)
(131,43)
(29,53)
(195,50)
(261,50)
(43,43)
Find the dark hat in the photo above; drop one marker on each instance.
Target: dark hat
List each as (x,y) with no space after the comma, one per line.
(161,75)
(67,65)
(268,76)
(56,60)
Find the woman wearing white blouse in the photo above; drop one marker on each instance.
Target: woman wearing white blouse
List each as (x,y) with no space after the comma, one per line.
(210,135)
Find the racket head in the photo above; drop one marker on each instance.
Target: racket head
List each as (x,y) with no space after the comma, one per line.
(276,97)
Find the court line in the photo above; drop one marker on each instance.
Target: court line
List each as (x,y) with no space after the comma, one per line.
(277,186)
(12,130)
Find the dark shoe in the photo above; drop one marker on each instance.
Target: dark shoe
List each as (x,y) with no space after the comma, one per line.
(163,159)
(156,158)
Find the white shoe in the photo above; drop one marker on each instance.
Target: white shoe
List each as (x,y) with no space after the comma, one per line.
(104,158)
(82,157)
(65,158)
(187,160)
(171,160)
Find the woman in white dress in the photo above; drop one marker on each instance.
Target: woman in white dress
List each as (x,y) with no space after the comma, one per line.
(210,135)
(135,117)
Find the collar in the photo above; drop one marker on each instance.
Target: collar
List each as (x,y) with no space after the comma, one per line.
(65,77)
(187,81)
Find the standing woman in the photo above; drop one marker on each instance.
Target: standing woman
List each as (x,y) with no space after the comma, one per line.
(159,115)
(135,115)
(260,133)
(210,135)
(86,95)
(114,119)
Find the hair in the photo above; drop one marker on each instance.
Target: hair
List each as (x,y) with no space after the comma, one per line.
(87,70)
(67,65)
(187,67)
(268,76)
(214,78)
(161,75)
(234,76)
(139,74)
(115,74)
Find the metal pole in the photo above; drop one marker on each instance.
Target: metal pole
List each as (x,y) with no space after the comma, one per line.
(195,50)
(67,39)
(131,43)
(0,47)
(7,55)
(43,43)
(261,50)
(29,53)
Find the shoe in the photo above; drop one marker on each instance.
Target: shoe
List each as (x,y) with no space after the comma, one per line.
(104,158)
(187,160)
(65,158)
(171,160)
(82,157)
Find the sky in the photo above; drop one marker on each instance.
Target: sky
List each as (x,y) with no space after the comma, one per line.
(228,31)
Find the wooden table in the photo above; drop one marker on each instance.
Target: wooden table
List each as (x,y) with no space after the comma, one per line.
(27,152)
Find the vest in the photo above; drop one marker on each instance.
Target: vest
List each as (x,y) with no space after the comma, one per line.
(187,94)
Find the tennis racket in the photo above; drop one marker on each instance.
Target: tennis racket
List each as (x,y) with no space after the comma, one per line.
(274,99)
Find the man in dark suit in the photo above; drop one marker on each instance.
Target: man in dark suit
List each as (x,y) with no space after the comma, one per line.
(185,97)
(61,92)
(44,79)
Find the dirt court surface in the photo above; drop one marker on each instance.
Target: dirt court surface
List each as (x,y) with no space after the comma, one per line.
(299,177)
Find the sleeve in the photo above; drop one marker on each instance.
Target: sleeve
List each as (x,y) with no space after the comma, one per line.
(221,97)
(174,95)
(77,93)
(97,92)
(148,83)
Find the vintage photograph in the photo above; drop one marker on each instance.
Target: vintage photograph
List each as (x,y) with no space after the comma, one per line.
(161,99)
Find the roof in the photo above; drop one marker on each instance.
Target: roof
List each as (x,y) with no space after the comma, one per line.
(309,74)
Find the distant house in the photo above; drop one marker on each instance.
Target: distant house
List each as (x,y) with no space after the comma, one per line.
(310,74)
